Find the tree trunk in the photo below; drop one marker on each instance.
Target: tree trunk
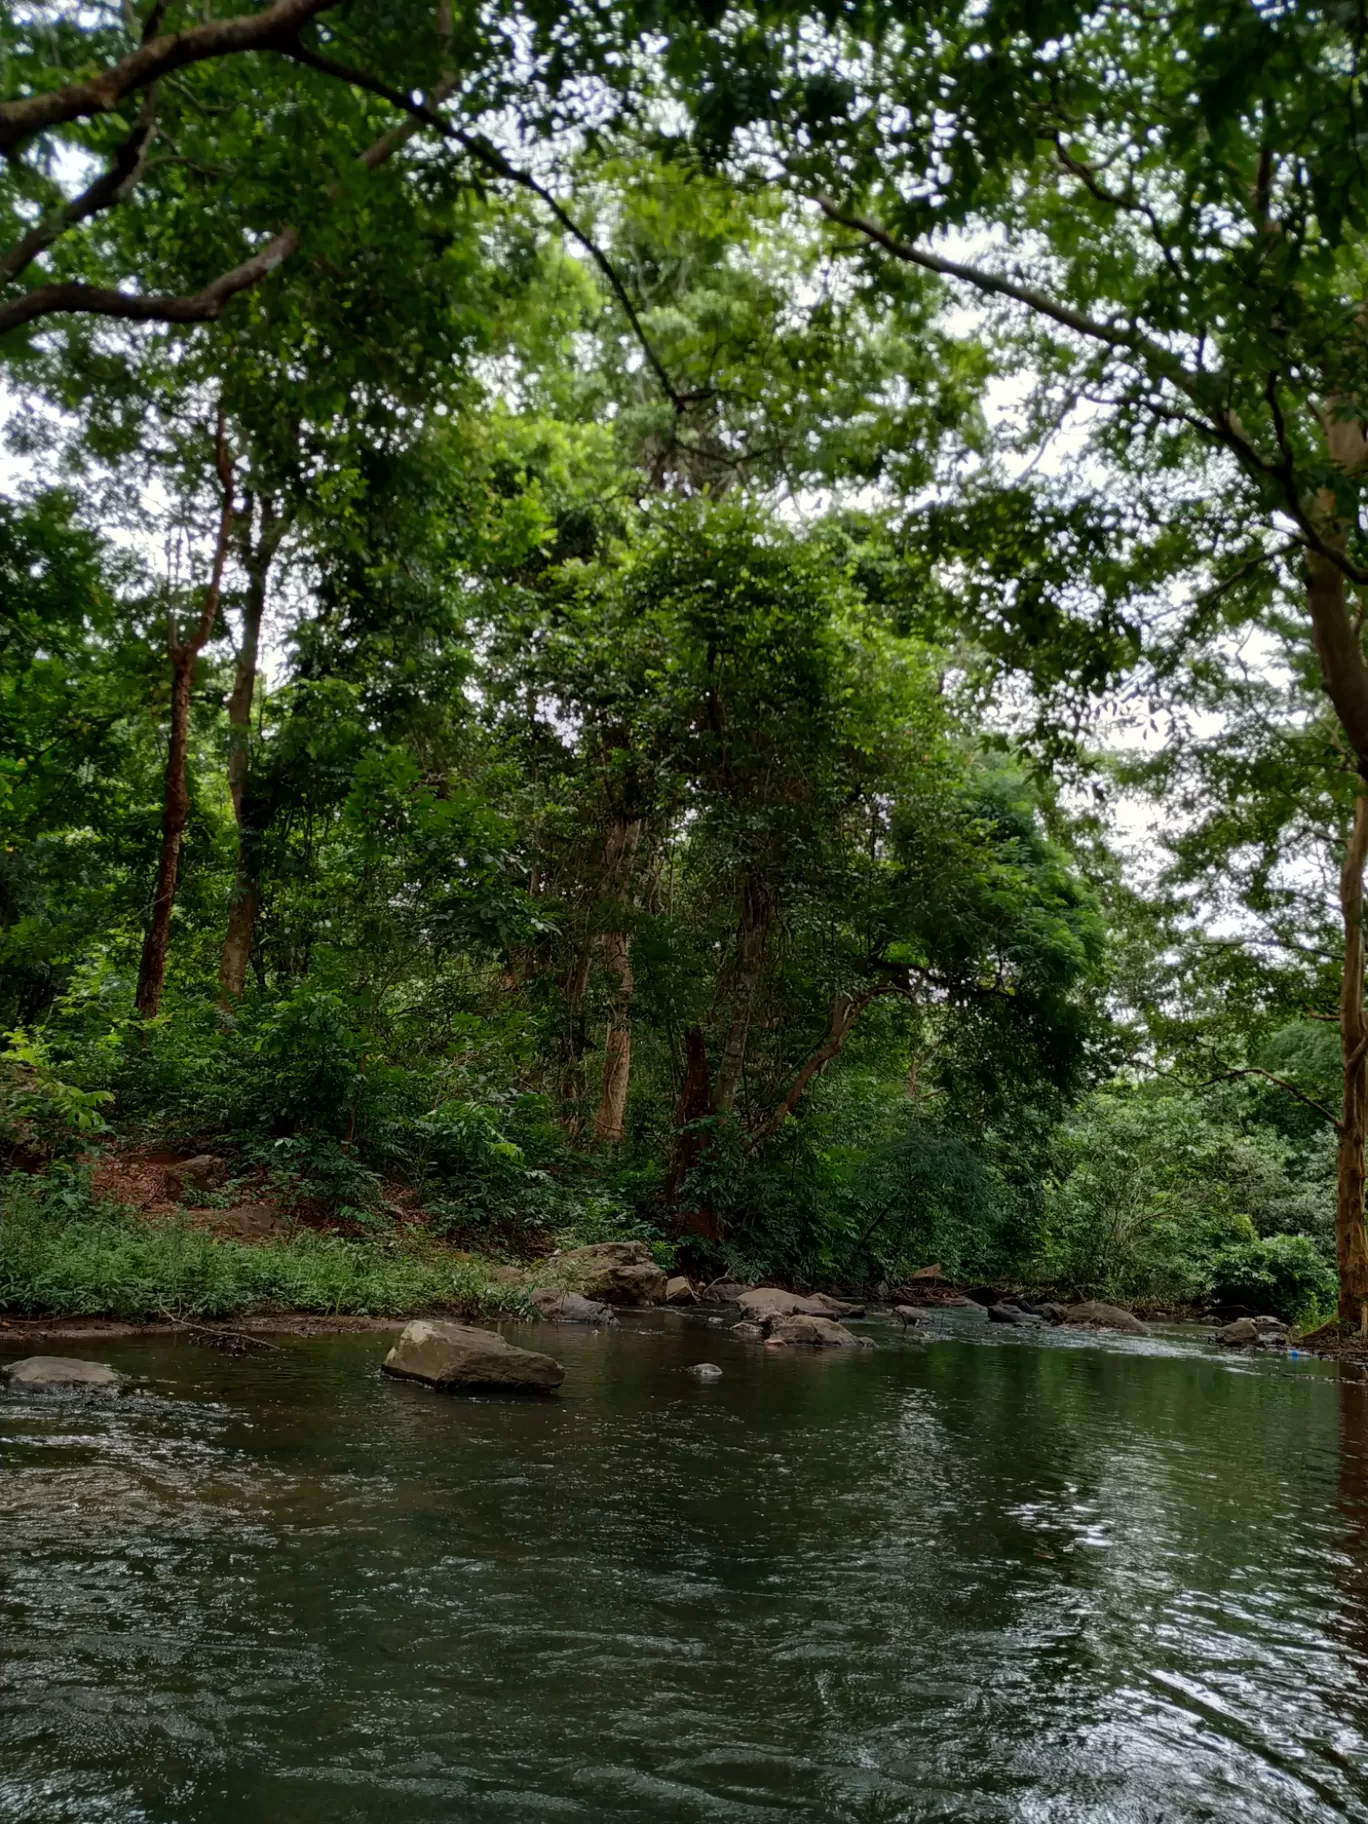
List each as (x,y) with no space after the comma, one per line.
(176,803)
(751,941)
(175,816)
(572,1086)
(617,1050)
(620,849)
(250,809)
(695,1105)
(1351,1236)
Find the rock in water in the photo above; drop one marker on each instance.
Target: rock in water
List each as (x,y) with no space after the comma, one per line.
(457,1357)
(747,1332)
(816,1332)
(704,1371)
(1244,1332)
(615,1272)
(762,1303)
(722,1292)
(1098,1316)
(60,1373)
(679,1291)
(1007,1314)
(569,1308)
(907,1314)
(822,1304)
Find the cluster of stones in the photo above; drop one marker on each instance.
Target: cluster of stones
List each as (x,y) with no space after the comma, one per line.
(1254,1333)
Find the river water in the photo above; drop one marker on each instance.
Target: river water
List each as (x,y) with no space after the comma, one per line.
(987,1576)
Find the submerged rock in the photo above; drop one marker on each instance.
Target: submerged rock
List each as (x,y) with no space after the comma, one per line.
(461,1358)
(815,1332)
(569,1308)
(54,1373)
(1094,1315)
(704,1371)
(615,1272)
(747,1332)
(1008,1314)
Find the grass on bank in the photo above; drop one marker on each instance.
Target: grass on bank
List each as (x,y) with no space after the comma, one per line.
(64,1253)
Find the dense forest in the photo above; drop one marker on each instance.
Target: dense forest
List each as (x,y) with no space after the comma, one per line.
(737,627)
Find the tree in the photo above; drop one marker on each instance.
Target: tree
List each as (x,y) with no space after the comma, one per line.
(1177,200)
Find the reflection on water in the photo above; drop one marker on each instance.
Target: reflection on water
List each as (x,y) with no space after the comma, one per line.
(977,1579)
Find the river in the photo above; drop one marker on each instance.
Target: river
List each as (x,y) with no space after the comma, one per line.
(990,1576)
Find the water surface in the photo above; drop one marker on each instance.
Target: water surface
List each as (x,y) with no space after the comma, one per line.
(981,1578)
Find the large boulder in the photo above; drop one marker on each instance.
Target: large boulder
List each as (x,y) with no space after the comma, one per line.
(569,1308)
(61,1373)
(814,1332)
(616,1272)
(459,1358)
(1094,1315)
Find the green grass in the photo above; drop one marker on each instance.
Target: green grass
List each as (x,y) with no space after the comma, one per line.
(61,1253)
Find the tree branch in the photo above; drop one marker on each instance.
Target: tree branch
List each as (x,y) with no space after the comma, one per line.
(1218,423)
(495,161)
(75,299)
(1254,1070)
(111,187)
(201,306)
(20,120)
(845,1011)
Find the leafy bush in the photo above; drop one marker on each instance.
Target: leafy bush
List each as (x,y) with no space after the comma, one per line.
(1284,1274)
(40,1112)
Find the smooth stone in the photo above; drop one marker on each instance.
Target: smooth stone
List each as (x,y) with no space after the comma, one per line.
(814,1332)
(460,1357)
(613,1272)
(907,1314)
(1097,1316)
(763,1303)
(704,1371)
(1008,1314)
(1241,1334)
(38,1373)
(679,1290)
(747,1332)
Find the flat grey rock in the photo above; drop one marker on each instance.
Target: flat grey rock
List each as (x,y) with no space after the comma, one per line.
(53,1372)
(460,1358)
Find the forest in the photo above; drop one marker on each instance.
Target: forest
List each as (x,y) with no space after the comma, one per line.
(739,627)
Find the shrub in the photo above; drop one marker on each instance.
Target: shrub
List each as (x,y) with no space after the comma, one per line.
(1284,1274)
